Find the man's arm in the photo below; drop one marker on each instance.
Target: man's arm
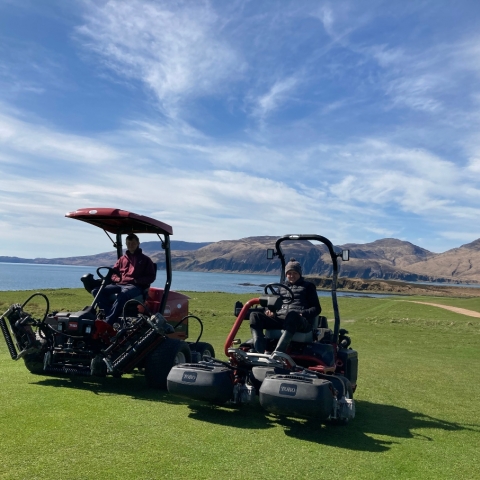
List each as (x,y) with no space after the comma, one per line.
(313,308)
(148,274)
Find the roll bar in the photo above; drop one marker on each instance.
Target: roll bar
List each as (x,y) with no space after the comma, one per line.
(344,254)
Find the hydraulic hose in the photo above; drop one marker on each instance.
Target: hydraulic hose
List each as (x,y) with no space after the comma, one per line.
(186,318)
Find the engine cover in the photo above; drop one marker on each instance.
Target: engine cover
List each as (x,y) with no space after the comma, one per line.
(201,381)
(74,323)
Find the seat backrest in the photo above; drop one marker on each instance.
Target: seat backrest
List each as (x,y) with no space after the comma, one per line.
(322,322)
(145,291)
(155,265)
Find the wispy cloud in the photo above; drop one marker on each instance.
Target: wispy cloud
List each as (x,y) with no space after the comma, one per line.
(176,50)
(240,118)
(277,94)
(415,93)
(36,141)
(358,183)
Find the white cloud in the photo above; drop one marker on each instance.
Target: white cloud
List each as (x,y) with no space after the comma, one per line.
(174,49)
(339,20)
(350,191)
(461,237)
(474,165)
(39,141)
(342,162)
(388,57)
(467,55)
(415,93)
(278,93)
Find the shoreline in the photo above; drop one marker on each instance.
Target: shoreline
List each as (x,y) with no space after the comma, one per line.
(393,287)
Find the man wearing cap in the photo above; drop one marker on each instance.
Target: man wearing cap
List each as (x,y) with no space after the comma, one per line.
(136,272)
(295,317)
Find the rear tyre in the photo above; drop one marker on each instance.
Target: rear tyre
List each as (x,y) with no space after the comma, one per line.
(161,360)
(342,422)
(204,349)
(34,363)
(349,388)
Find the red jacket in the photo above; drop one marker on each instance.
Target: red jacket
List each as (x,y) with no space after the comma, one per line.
(135,269)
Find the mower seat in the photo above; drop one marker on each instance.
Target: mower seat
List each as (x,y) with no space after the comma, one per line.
(302,337)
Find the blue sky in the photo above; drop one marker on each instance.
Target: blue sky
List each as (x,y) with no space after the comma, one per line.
(357,120)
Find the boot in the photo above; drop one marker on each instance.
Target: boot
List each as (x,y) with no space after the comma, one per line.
(284,341)
(258,340)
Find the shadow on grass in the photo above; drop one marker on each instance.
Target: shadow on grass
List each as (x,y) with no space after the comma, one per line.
(133,386)
(372,421)
(244,417)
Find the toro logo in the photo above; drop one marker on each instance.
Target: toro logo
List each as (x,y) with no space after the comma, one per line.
(289,389)
(190,377)
(73,325)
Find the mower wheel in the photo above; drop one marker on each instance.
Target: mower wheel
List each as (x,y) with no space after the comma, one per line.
(34,363)
(348,387)
(348,394)
(204,349)
(183,354)
(160,361)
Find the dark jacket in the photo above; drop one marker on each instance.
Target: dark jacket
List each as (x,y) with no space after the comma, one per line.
(305,299)
(135,269)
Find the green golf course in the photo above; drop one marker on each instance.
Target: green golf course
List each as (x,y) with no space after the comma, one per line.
(417,407)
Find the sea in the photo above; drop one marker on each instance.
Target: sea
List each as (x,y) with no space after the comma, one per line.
(28,276)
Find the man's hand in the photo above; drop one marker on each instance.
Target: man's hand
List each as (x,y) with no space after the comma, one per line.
(269,313)
(115,276)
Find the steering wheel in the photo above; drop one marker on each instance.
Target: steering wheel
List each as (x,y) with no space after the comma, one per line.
(109,274)
(276,289)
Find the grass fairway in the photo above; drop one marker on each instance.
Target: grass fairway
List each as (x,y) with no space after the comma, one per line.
(418,408)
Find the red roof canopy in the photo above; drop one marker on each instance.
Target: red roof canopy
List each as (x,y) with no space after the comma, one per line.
(114,220)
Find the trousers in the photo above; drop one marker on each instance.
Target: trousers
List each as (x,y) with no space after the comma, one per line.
(292,322)
(113,310)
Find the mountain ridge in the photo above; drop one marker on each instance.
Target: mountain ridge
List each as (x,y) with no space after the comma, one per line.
(387,259)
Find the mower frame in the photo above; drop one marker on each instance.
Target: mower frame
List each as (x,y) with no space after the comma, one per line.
(82,343)
(312,379)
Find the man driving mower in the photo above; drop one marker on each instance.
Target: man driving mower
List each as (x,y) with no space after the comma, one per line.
(134,272)
(297,316)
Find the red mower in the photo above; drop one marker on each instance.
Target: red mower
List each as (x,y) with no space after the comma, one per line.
(315,378)
(150,336)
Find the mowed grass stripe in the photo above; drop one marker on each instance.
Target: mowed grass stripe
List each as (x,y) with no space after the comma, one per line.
(417,408)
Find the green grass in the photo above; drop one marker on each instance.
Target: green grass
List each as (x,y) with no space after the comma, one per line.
(418,414)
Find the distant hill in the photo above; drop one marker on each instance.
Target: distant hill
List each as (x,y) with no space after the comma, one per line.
(107,258)
(388,258)
(148,247)
(459,263)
